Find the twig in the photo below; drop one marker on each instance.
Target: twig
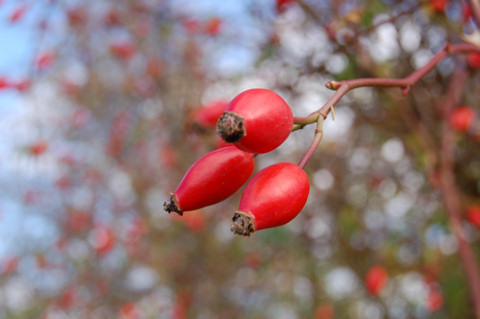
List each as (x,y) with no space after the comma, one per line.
(316,141)
(343,87)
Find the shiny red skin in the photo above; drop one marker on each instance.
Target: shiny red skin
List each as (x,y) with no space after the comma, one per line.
(376,280)
(275,195)
(214,177)
(268,119)
(473,60)
(207,116)
(473,215)
(462,118)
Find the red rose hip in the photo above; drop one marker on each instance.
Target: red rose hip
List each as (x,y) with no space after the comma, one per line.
(473,215)
(462,118)
(211,179)
(273,197)
(376,280)
(207,116)
(256,120)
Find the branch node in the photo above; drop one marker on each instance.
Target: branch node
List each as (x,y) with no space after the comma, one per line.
(448,47)
(405,90)
(322,114)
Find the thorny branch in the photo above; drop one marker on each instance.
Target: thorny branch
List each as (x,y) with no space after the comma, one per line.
(448,188)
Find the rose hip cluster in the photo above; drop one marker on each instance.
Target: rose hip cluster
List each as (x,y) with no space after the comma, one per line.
(256,121)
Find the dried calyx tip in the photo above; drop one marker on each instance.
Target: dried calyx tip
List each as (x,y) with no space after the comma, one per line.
(171,205)
(231,127)
(242,224)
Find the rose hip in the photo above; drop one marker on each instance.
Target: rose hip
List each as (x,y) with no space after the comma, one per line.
(256,120)
(273,197)
(211,179)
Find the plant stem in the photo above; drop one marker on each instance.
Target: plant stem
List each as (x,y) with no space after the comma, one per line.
(450,191)
(316,141)
(343,87)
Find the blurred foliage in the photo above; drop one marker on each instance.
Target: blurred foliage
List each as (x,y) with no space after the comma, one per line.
(108,130)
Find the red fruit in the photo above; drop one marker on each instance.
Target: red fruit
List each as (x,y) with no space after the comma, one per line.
(211,179)
(45,59)
(4,83)
(18,13)
(38,148)
(324,312)
(473,60)
(466,12)
(462,118)
(22,85)
(208,115)
(273,197)
(195,220)
(123,49)
(282,5)
(439,6)
(154,67)
(256,120)
(213,26)
(77,16)
(376,280)
(473,215)
(129,311)
(192,26)
(102,239)
(434,300)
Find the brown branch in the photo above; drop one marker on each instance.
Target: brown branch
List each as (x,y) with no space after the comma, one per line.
(343,87)
(316,141)
(450,193)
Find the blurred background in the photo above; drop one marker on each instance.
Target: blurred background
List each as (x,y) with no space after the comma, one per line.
(99,121)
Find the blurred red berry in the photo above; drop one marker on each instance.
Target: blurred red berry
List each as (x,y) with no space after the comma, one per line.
(168,156)
(466,12)
(192,26)
(473,215)
(124,49)
(434,300)
(45,59)
(376,280)
(324,312)
(4,83)
(213,26)
(282,5)
(67,299)
(129,311)
(102,239)
(439,6)
(18,13)
(195,220)
(154,67)
(473,60)
(22,85)
(77,16)
(113,18)
(38,148)
(9,265)
(207,116)
(462,118)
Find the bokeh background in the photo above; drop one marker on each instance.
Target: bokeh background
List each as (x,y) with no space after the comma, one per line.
(98,124)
